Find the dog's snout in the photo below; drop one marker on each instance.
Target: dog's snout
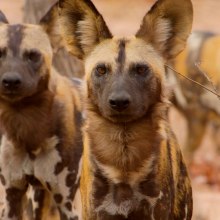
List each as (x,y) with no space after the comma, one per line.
(120,101)
(11,81)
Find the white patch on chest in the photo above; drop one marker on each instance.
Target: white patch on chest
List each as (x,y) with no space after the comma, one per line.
(127,206)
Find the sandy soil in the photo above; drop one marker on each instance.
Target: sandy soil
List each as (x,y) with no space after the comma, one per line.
(124,17)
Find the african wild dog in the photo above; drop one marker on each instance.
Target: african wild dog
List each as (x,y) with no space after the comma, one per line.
(199,106)
(40,117)
(132,165)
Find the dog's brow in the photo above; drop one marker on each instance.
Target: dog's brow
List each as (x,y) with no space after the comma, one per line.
(15,33)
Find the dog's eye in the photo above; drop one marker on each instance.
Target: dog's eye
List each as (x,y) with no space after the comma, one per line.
(1,54)
(101,70)
(33,56)
(141,70)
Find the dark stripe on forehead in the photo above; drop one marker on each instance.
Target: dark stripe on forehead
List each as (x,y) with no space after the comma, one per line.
(15,34)
(121,53)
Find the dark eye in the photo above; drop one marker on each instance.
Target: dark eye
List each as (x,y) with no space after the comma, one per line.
(141,70)
(33,56)
(101,70)
(1,54)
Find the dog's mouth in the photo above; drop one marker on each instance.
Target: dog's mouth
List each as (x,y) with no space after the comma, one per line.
(121,118)
(11,96)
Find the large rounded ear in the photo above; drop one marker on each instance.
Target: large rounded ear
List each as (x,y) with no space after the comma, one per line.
(3,19)
(50,24)
(81,26)
(167,26)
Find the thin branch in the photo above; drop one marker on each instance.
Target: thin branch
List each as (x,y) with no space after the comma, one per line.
(193,81)
(208,78)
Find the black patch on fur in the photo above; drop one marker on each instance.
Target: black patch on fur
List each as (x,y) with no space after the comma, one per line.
(121,54)
(39,195)
(58,168)
(48,186)
(15,33)
(68,206)
(32,156)
(58,198)
(149,188)
(70,179)
(121,193)
(33,181)
(14,197)
(3,180)
(101,188)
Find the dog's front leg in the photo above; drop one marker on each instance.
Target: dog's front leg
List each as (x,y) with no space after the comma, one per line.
(14,203)
(63,195)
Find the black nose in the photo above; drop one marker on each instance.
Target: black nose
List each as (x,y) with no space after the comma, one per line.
(119,102)
(11,81)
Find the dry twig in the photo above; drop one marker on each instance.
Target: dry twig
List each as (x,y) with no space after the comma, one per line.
(193,81)
(208,78)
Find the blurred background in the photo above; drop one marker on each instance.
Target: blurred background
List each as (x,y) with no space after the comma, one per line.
(123,18)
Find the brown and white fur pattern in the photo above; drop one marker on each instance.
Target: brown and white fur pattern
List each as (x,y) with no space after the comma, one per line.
(40,117)
(132,165)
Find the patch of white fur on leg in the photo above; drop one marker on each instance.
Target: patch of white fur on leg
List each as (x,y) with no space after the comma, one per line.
(78,204)
(186,212)
(79,171)
(11,161)
(46,160)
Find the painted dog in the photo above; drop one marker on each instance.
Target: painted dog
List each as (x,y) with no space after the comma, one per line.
(40,117)
(132,165)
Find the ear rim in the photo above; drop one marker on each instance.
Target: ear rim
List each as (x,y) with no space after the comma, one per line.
(50,23)
(3,19)
(74,41)
(154,14)
(49,17)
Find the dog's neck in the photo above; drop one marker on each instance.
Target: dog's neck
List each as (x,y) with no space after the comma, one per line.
(125,146)
(26,123)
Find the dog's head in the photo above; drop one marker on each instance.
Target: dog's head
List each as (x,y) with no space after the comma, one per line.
(125,76)
(26,52)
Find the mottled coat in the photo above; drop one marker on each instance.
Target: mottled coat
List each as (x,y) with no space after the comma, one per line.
(132,165)
(40,117)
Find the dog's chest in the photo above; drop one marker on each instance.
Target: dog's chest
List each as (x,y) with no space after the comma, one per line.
(121,193)
(17,165)
(125,199)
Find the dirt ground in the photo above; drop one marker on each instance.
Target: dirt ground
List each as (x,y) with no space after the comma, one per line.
(124,17)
